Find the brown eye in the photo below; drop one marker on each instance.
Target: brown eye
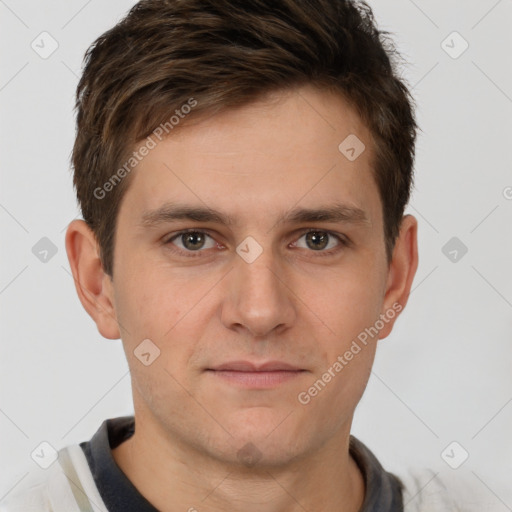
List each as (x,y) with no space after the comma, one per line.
(191,241)
(317,240)
(321,241)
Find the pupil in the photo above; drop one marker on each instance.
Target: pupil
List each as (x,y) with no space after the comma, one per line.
(315,237)
(194,237)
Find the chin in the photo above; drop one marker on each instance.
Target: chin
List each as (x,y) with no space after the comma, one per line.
(264,446)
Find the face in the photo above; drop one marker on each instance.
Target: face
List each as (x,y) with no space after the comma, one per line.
(256,304)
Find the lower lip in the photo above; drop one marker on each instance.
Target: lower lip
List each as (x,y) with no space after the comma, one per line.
(257,380)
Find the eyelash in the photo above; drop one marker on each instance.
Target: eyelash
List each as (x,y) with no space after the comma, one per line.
(194,254)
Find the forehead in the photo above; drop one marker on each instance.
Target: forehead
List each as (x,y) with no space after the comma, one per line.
(263,159)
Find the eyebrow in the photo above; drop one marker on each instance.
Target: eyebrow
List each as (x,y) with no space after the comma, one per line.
(169,212)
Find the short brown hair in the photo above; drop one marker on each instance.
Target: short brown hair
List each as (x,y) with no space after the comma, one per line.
(225,54)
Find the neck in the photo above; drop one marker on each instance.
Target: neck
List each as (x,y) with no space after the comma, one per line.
(175,477)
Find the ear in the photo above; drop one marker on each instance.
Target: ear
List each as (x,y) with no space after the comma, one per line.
(93,285)
(402,270)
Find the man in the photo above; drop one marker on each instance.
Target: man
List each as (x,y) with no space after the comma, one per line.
(242,170)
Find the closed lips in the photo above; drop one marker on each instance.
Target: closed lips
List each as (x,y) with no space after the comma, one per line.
(247,366)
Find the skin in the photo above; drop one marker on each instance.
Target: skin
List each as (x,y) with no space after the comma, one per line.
(295,303)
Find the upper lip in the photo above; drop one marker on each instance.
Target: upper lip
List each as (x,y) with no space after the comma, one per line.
(247,366)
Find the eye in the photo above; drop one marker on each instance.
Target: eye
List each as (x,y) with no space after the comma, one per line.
(318,241)
(191,241)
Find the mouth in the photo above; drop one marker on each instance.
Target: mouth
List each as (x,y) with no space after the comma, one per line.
(256,376)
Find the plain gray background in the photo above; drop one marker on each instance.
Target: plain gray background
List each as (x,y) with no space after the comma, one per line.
(444,374)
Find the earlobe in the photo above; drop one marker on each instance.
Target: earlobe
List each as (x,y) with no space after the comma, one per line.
(402,270)
(92,284)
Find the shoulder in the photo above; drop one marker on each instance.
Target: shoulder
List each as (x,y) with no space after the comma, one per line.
(67,485)
(438,491)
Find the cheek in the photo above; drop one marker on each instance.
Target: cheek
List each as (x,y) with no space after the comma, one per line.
(349,302)
(147,305)
(166,306)
(347,309)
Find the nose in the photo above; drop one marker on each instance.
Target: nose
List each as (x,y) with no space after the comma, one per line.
(259,297)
